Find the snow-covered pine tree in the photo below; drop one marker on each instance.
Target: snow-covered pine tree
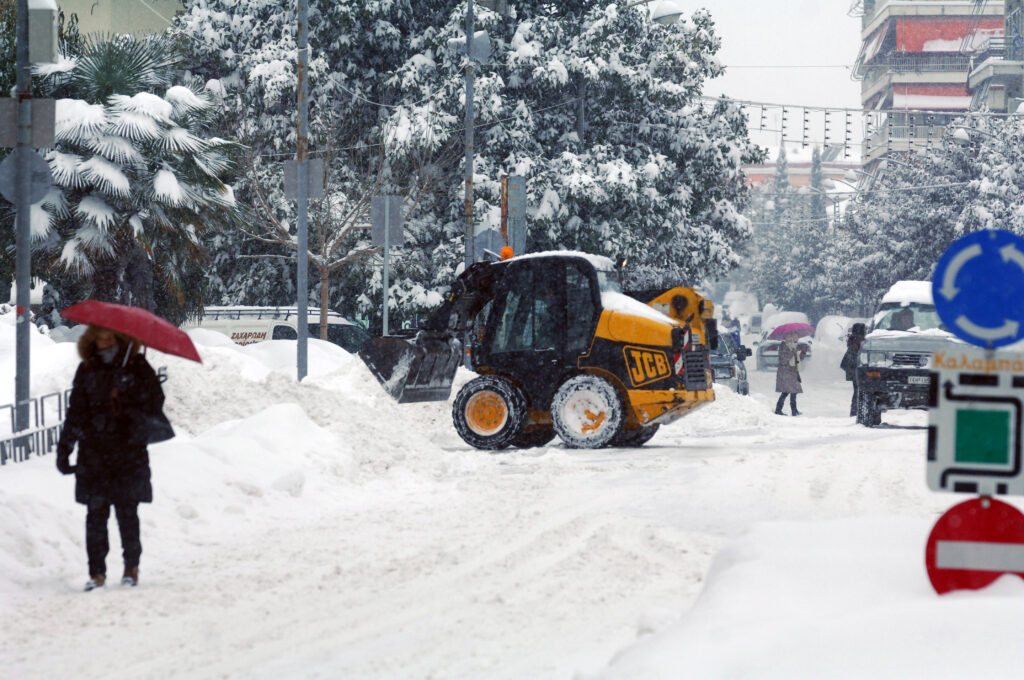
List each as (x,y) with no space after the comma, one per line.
(808,287)
(898,228)
(771,265)
(601,109)
(376,133)
(596,105)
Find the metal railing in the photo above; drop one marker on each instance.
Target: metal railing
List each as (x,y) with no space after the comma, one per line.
(47,418)
(41,436)
(993,48)
(899,63)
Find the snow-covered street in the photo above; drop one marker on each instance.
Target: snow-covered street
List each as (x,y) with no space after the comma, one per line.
(321,530)
(266,223)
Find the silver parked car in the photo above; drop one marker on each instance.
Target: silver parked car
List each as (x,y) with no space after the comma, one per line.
(727,364)
(768,351)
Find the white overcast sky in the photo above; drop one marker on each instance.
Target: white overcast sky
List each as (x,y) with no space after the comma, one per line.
(767,33)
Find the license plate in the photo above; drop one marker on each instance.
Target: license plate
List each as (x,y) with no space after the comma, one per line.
(918,380)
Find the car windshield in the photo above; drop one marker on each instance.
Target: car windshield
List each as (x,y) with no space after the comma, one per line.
(608,281)
(725,346)
(916,316)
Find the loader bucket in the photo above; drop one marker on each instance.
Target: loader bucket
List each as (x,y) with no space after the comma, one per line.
(420,368)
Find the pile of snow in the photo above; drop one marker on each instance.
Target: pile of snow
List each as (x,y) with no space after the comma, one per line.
(845,598)
(253,446)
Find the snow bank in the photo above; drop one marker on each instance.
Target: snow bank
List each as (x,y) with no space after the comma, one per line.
(253,446)
(833,599)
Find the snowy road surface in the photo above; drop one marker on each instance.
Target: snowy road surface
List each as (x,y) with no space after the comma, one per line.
(322,531)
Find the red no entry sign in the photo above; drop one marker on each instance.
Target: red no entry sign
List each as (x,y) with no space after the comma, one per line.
(975,543)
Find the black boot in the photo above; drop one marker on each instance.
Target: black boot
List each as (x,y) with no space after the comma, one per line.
(792,404)
(778,405)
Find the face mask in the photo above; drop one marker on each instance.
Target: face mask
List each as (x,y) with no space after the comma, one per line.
(791,343)
(107,355)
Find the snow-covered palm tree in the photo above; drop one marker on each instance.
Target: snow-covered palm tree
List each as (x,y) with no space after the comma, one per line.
(135,178)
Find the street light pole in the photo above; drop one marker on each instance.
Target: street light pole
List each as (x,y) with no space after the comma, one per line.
(302,194)
(23,224)
(470,25)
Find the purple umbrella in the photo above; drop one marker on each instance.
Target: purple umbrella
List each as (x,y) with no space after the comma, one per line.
(801,329)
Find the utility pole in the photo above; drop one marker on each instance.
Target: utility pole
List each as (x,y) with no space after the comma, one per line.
(470,254)
(23,224)
(302,191)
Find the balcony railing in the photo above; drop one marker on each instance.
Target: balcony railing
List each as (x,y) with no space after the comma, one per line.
(900,63)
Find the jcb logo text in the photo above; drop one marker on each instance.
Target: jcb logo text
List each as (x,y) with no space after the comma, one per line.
(645,365)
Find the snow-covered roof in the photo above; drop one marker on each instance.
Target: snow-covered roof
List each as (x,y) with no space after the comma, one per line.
(213,312)
(599,261)
(906,292)
(619,302)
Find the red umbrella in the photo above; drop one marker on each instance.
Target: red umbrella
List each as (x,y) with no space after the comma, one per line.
(801,329)
(148,328)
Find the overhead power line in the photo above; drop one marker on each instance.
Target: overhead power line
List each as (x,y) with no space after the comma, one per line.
(780,66)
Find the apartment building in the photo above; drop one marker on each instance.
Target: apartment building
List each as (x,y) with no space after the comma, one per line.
(915,60)
(996,80)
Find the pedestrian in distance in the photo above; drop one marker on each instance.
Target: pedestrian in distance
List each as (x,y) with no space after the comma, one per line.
(731,325)
(849,363)
(114,391)
(787,375)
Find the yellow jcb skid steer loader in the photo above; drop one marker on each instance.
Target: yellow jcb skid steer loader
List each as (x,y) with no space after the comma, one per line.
(559,348)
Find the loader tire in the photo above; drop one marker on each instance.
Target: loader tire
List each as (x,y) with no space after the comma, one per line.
(633,438)
(489,412)
(587,412)
(536,437)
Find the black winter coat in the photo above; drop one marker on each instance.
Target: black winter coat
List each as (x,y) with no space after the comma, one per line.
(106,417)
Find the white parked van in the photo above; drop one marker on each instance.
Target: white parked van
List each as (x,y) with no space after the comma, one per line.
(248,325)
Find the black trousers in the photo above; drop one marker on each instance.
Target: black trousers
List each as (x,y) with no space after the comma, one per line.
(96,544)
(782,400)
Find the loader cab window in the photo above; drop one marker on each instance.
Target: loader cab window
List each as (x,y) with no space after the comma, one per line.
(581,308)
(608,281)
(530,312)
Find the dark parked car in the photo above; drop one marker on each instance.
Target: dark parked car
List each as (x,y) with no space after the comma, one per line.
(727,364)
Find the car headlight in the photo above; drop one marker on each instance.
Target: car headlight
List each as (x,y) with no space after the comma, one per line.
(880,359)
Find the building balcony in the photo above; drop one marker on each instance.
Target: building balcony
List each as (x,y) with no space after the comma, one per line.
(886,81)
(885,10)
(904,63)
(995,69)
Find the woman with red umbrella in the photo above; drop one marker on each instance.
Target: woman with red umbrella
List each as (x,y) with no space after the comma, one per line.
(787,376)
(114,391)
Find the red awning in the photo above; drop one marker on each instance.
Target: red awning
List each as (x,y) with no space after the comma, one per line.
(944,35)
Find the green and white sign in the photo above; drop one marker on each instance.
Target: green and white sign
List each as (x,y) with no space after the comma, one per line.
(974,424)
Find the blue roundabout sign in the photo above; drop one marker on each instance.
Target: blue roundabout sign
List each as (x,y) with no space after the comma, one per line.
(978,288)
